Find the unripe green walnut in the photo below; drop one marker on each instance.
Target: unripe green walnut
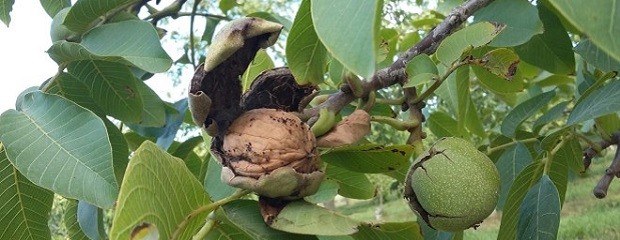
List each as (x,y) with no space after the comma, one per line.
(453,186)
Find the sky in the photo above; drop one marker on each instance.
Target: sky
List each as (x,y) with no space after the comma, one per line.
(24,62)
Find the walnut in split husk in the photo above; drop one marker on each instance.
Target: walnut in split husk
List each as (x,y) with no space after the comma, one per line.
(273,153)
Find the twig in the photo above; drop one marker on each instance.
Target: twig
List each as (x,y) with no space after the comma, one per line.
(595,148)
(170,11)
(192,48)
(207,15)
(600,191)
(206,228)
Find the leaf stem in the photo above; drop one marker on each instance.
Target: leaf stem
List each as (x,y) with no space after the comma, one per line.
(192,48)
(439,81)
(491,150)
(551,155)
(206,208)
(205,229)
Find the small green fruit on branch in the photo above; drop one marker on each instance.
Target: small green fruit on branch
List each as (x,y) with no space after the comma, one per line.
(452,186)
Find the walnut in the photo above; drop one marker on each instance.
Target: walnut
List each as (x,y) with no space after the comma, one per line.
(273,153)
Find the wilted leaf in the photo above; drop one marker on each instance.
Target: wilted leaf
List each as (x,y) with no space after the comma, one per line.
(502,62)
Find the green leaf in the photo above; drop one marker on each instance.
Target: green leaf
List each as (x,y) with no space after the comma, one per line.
(523,111)
(371,158)
(443,125)
(597,57)
(52,7)
(25,206)
(476,35)
(555,80)
(551,115)
(112,86)
(85,13)
(212,183)
(558,170)
(304,218)
(61,146)
(419,79)
(420,70)
(70,219)
(130,42)
(519,27)
(226,5)
(352,184)
(120,149)
(539,215)
(389,230)
(572,154)
(327,191)
(358,23)
(261,62)
(241,219)
(66,85)
(306,55)
(154,111)
(510,164)
(158,189)
(527,178)
(502,62)
(207,35)
(552,50)
(596,19)
(6,6)
(602,101)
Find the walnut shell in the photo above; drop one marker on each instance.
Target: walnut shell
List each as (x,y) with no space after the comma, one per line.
(273,153)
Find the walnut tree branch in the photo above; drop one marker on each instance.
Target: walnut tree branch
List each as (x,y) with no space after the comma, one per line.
(396,72)
(600,191)
(593,150)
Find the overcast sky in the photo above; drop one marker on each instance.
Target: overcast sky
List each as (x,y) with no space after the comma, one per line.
(24,62)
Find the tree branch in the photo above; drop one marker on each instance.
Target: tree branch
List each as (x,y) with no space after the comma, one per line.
(600,191)
(593,150)
(396,72)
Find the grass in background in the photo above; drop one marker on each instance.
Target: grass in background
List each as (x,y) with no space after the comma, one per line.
(583,216)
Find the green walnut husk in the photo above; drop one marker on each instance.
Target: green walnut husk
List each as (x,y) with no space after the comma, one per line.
(453,186)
